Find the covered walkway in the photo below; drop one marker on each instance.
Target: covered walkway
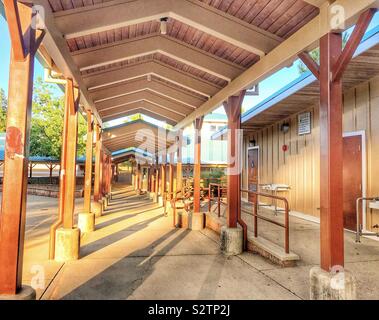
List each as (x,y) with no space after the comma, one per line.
(175,61)
(135,253)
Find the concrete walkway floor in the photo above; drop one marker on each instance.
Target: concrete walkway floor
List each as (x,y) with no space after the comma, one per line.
(135,253)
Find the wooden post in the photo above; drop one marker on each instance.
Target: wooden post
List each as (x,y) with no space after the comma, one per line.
(163,179)
(156,178)
(96,187)
(233,111)
(69,176)
(152,178)
(88,165)
(171,175)
(198,124)
(102,172)
(51,173)
(138,176)
(331,180)
(110,170)
(333,63)
(179,168)
(12,216)
(105,171)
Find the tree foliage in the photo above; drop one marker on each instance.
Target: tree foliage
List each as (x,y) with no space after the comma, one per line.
(3,110)
(47,122)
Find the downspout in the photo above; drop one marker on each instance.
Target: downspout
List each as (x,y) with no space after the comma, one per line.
(48,77)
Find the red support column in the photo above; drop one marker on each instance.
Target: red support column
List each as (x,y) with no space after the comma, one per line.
(102,172)
(64,242)
(138,177)
(88,165)
(71,109)
(331,180)
(171,175)
(163,179)
(179,168)
(156,179)
(198,123)
(233,110)
(97,183)
(12,216)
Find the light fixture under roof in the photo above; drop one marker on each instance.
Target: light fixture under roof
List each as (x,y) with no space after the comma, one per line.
(164,25)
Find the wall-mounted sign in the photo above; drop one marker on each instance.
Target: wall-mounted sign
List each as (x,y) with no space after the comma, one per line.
(304,123)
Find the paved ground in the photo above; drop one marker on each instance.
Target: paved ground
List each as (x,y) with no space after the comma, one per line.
(136,254)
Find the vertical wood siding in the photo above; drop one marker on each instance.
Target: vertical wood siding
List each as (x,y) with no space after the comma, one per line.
(299,167)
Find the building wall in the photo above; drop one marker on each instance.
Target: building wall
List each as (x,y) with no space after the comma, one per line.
(299,167)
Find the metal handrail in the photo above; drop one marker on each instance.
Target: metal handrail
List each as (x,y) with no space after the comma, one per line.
(257,216)
(360,232)
(219,192)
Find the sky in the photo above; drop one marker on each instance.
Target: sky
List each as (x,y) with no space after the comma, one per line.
(266,87)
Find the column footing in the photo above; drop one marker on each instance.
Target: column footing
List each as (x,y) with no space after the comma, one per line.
(97,208)
(67,244)
(231,241)
(86,222)
(25,293)
(331,285)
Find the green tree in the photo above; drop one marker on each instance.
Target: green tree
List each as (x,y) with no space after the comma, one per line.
(3,110)
(47,123)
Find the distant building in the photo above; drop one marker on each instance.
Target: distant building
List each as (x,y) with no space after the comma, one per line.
(212,151)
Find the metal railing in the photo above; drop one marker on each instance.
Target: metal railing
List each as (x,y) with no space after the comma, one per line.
(256,216)
(219,188)
(359,230)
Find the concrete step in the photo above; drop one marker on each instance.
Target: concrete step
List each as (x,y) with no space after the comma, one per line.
(271,251)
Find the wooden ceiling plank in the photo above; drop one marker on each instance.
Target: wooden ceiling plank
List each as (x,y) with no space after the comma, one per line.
(143,84)
(117,14)
(153,98)
(132,48)
(161,70)
(286,52)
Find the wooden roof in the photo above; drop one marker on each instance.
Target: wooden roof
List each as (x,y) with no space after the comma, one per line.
(136,134)
(117,45)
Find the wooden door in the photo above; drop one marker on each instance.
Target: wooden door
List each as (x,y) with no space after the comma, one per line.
(352,179)
(253,171)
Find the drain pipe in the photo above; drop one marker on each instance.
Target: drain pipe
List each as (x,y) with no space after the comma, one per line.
(56,78)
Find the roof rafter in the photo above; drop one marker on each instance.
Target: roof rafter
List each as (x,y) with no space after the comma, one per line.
(144,107)
(302,40)
(138,47)
(154,68)
(162,102)
(115,14)
(142,84)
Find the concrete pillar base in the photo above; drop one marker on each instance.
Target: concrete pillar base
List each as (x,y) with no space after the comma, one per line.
(102,201)
(196,221)
(231,241)
(155,197)
(97,208)
(25,293)
(67,244)
(86,222)
(160,200)
(181,215)
(332,286)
